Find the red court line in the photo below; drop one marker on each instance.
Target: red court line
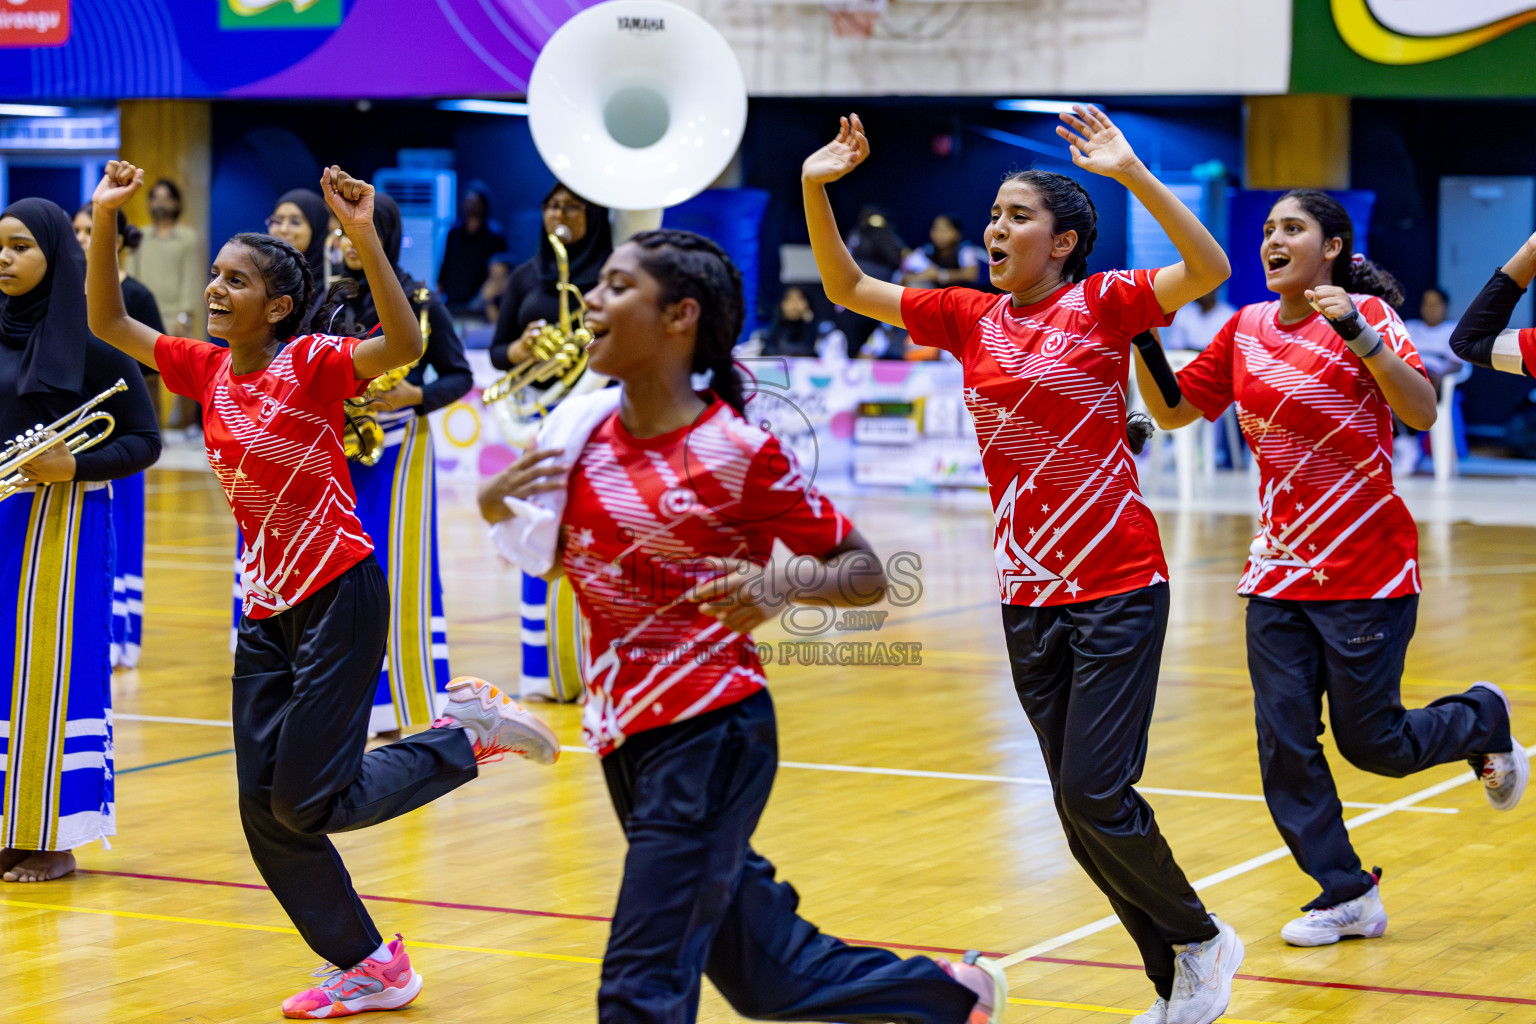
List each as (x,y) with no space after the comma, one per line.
(1385,990)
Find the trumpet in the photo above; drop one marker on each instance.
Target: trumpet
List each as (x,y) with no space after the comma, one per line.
(556,365)
(73,430)
(361,436)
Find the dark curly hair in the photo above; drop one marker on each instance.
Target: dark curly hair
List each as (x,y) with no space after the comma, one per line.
(1364,278)
(690,266)
(1071,210)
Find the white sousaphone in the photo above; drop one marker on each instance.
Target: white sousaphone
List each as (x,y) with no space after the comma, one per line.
(636,105)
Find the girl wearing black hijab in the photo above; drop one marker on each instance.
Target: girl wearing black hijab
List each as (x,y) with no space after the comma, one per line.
(57,537)
(301,219)
(532,299)
(397,497)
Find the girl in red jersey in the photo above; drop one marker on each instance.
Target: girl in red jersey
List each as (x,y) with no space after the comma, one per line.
(316,603)
(1483,336)
(1080,567)
(669,486)
(1333,577)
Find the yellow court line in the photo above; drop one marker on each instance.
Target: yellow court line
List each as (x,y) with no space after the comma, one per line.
(288,931)
(1115,1009)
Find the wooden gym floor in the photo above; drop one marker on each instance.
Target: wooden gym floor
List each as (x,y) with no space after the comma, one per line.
(910,811)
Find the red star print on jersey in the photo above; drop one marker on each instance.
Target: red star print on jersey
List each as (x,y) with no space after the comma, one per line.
(649,518)
(274,441)
(1045,385)
(1331,525)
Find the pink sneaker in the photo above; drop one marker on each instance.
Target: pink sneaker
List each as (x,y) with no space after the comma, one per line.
(368,986)
(982,976)
(498,724)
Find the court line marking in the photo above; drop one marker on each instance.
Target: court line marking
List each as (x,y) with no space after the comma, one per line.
(1114,1009)
(178,760)
(209,922)
(853,769)
(1251,864)
(1422,993)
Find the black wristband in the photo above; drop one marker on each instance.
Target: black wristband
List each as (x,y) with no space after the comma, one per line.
(1157,363)
(1347,326)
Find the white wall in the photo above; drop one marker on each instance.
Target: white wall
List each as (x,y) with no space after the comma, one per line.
(1017,47)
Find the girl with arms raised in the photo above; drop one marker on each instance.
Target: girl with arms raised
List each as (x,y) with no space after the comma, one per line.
(316,603)
(1080,567)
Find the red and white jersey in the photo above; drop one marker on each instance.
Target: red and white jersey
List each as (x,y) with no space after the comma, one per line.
(642,518)
(1331,525)
(1045,385)
(274,441)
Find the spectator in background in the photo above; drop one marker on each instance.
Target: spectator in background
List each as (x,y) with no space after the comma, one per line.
(1431,334)
(795,330)
(878,250)
(171,262)
(947,259)
(302,219)
(471,244)
(1196,324)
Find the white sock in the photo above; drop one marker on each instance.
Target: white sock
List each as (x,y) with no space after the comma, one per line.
(382,954)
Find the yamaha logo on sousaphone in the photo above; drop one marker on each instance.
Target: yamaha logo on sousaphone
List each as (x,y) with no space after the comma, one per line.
(642,25)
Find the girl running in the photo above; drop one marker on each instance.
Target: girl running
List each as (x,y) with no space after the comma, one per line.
(56,791)
(667,487)
(316,602)
(1081,570)
(1332,579)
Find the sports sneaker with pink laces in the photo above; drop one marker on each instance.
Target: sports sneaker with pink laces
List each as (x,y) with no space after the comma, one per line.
(370,985)
(497,724)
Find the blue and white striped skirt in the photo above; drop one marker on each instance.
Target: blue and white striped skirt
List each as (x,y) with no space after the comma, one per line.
(128,575)
(56,713)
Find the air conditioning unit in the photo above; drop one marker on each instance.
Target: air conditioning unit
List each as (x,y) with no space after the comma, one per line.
(426,196)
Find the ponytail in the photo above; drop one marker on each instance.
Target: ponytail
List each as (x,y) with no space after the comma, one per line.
(1351,271)
(342,291)
(690,266)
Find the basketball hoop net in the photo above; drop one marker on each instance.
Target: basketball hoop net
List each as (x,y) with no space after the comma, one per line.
(854,18)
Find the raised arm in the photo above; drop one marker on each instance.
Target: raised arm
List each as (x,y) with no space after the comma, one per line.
(104,309)
(844,282)
(1483,336)
(399,339)
(1100,147)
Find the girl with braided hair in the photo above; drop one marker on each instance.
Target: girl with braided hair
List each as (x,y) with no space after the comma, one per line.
(1332,578)
(1083,582)
(316,602)
(671,505)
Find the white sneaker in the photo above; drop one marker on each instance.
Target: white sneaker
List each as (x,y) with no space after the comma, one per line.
(987,980)
(1158,1014)
(1503,775)
(1202,977)
(1363,916)
(497,724)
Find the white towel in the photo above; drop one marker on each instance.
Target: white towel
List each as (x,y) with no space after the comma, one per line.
(530,539)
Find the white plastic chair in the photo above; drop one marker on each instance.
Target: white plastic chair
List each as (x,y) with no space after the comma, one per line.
(1442,436)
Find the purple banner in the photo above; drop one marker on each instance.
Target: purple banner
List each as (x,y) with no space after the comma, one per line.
(351,49)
